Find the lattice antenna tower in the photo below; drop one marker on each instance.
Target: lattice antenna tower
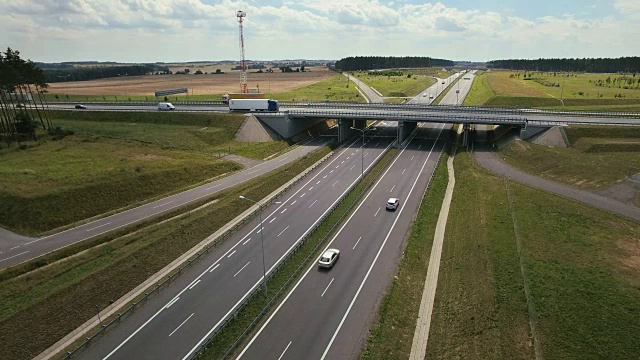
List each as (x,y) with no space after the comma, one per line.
(243,75)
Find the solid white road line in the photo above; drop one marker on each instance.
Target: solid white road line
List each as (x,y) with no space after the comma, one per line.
(285,229)
(313,265)
(354,246)
(230,255)
(377,212)
(171,303)
(215,267)
(285,350)
(194,284)
(324,355)
(270,269)
(327,288)
(247,264)
(93,228)
(179,326)
(11,257)
(314,201)
(163,204)
(393,187)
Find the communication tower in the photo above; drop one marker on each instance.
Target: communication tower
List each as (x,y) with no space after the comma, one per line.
(243,75)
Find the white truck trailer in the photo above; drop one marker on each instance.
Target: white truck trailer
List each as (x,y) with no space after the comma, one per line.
(253,105)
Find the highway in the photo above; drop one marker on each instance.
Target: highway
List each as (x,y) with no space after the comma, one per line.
(172,324)
(432,92)
(327,313)
(14,251)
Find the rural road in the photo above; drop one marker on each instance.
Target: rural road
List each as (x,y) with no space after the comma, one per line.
(327,313)
(173,323)
(15,249)
(371,94)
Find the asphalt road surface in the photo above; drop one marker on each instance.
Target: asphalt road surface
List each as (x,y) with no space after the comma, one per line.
(432,92)
(15,250)
(327,313)
(372,95)
(173,323)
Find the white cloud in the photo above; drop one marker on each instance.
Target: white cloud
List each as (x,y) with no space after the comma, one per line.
(131,30)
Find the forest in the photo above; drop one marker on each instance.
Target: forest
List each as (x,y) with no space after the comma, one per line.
(591,65)
(389,62)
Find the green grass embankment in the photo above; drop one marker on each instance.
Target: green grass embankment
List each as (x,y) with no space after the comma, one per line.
(334,88)
(114,160)
(391,335)
(38,308)
(398,86)
(598,157)
(580,264)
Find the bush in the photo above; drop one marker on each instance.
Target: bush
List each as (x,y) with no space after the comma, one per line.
(58,133)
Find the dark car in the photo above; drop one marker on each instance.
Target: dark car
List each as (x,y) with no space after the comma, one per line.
(80,106)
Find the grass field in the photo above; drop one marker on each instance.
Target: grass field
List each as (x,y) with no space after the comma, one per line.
(42,306)
(114,160)
(396,86)
(333,88)
(581,264)
(598,157)
(391,335)
(544,90)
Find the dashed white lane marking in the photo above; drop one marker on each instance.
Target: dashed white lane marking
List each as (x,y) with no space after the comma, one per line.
(15,247)
(230,255)
(352,167)
(214,186)
(337,166)
(11,257)
(294,201)
(179,326)
(377,212)
(282,212)
(311,188)
(242,269)
(327,288)
(194,284)
(348,157)
(354,246)
(272,220)
(215,267)
(285,350)
(303,194)
(393,187)
(254,171)
(172,302)
(419,146)
(285,229)
(342,162)
(365,154)
(335,183)
(403,171)
(314,201)
(331,172)
(93,228)
(413,157)
(318,183)
(167,203)
(245,243)
(324,177)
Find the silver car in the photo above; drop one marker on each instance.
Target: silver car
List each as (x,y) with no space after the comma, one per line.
(393,203)
(329,258)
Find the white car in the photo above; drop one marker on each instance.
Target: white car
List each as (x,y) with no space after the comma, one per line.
(329,258)
(393,203)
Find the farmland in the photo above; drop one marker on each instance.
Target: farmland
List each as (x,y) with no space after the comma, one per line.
(138,87)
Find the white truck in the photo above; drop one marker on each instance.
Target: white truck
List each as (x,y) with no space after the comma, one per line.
(253,105)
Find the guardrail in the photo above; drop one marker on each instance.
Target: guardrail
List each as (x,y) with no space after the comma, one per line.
(293,276)
(155,288)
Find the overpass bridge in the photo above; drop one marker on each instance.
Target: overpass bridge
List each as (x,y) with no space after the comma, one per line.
(294,118)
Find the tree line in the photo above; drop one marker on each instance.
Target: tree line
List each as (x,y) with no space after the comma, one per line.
(600,65)
(355,63)
(93,73)
(22,85)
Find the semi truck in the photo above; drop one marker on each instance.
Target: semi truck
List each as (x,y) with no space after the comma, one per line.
(253,105)
(227,97)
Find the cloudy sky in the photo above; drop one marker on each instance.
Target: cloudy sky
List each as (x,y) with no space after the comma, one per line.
(193,30)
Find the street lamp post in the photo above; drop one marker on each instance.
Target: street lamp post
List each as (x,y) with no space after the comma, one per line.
(264,268)
(361,152)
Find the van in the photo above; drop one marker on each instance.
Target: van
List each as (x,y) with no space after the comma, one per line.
(166,106)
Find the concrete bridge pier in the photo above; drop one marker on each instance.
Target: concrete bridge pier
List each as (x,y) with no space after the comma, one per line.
(405,128)
(529,131)
(344,129)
